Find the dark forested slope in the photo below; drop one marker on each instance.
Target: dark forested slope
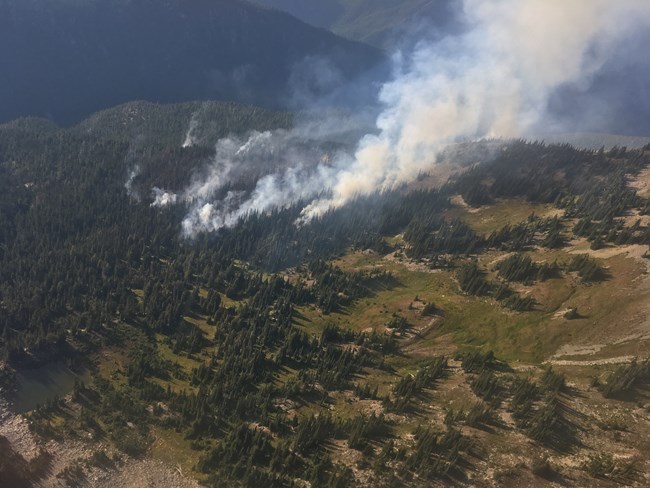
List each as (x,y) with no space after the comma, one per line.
(372,21)
(159,124)
(64,59)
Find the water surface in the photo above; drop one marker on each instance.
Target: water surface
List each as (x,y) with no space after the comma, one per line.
(36,386)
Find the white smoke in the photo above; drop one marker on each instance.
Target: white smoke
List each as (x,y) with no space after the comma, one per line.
(134,169)
(257,173)
(163,198)
(128,185)
(190,139)
(495,80)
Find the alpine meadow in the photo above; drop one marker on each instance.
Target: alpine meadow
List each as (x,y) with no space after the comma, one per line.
(324,244)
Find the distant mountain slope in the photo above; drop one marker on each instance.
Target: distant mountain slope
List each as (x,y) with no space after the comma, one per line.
(595,140)
(371,21)
(66,59)
(141,122)
(614,100)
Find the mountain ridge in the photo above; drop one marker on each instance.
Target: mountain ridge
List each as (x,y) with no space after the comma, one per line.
(374,22)
(67,60)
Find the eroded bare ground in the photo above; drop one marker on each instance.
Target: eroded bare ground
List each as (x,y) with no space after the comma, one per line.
(502,455)
(143,473)
(630,333)
(598,425)
(68,462)
(16,430)
(641,183)
(603,430)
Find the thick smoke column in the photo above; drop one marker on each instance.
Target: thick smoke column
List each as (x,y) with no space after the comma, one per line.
(495,80)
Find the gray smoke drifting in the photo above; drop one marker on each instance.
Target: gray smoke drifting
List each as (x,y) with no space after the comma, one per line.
(163,198)
(493,81)
(258,173)
(128,185)
(193,134)
(190,140)
(190,137)
(134,169)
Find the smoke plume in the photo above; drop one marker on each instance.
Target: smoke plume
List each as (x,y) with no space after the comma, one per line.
(193,134)
(190,138)
(163,198)
(128,185)
(134,169)
(257,173)
(493,80)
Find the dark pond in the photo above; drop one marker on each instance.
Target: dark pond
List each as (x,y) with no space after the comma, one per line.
(36,386)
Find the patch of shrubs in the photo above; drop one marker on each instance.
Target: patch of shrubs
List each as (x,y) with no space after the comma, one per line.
(626,378)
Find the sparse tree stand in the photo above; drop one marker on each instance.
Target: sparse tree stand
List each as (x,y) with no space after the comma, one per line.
(247,344)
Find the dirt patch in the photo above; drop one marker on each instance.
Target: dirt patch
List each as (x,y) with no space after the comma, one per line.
(635,251)
(418,333)
(459,201)
(561,314)
(350,457)
(134,473)
(595,362)
(409,264)
(144,473)
(641,183)
(574,350)
(635,216)
(16,429)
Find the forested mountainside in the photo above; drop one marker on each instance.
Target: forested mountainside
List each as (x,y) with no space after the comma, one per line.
(376,22)
(596,140)
(69,59)
(416,337)
(145,123)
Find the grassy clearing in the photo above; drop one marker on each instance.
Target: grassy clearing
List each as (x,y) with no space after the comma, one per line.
(111,364)
(172,448)
(229,302)
(494,217)
(605,308)
(186,363)
(372,313)
(201,322)
(475,322)
(610,309)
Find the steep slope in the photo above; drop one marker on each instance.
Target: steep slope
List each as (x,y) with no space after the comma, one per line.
(65,60)
(408,346)
(139,122)
(594,140)
(372,21)
(612,100)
